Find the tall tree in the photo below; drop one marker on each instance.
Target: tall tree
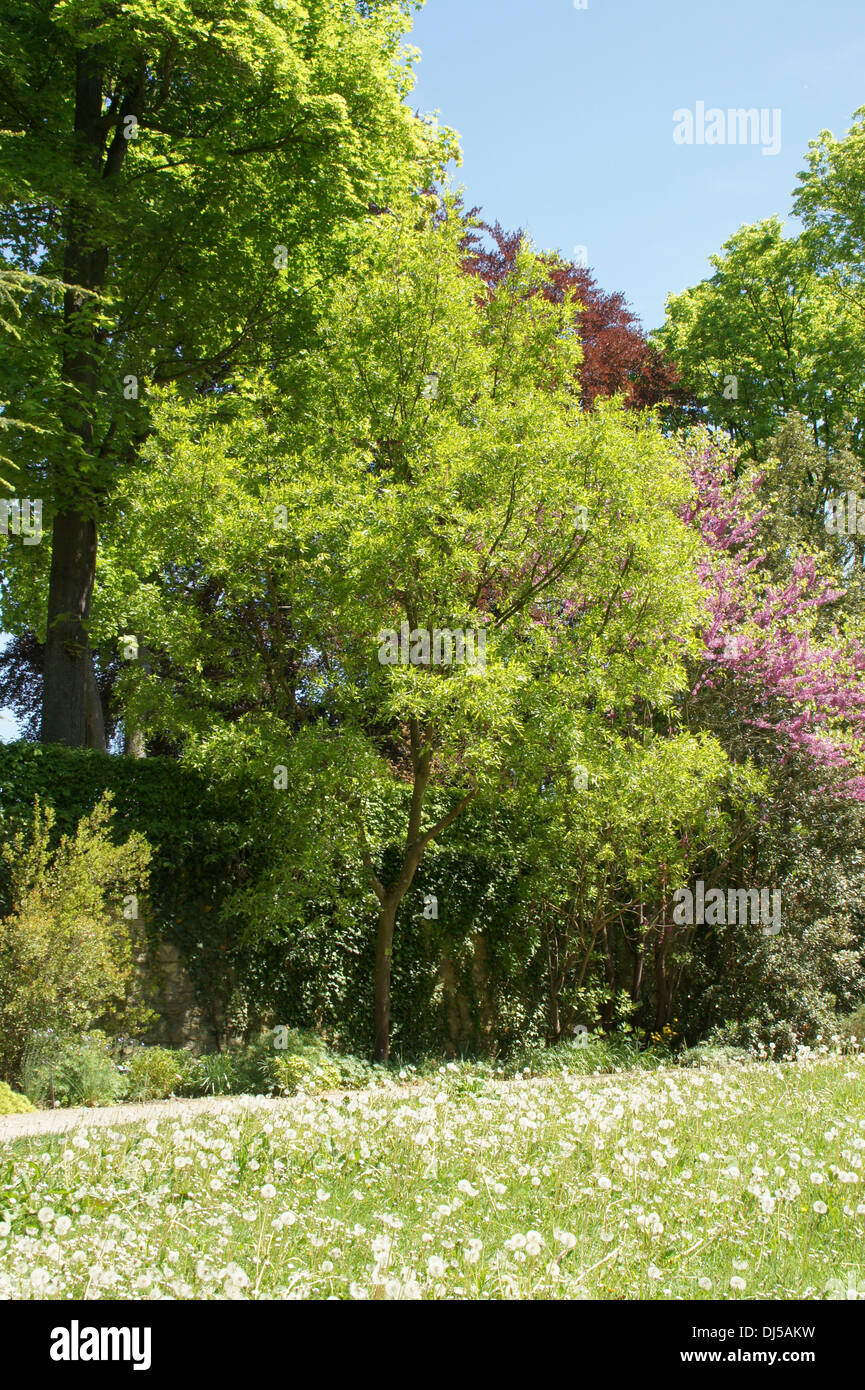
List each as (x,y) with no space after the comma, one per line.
(765,336)
(831,202)
(445,481)
(191,173)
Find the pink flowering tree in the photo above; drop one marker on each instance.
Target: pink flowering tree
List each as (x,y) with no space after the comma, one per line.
(776,672)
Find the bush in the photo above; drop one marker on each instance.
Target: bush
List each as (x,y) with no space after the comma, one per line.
(262,1068)
(66,949)
(198,834)
(601,1053)
(153,1073)
(214,1074)
(714,1055)
(11,1103)
(79,1071)
(852,1028)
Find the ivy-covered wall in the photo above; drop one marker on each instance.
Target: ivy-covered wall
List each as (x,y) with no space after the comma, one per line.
(198,847)
(469,978)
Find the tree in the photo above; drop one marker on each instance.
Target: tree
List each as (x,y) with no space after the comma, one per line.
(765,337)
(774,683)
(15,285)
(617,357)
(831,203)
(604,855)
(443,484)
(191,174)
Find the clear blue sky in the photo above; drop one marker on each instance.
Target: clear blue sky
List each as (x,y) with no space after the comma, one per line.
(566,121)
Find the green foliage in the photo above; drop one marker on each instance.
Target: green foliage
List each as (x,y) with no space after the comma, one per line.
(202,842)
(853,1026)
(258,1068)
(91,1070)
(11,1103)
(749,990)
(495,506)
(831,203)
(76,1071)
(770,320)
(66,949)
(15,285)
(599,1054)
(257,127)
(152,1073)
(213,1074)
(262,1068)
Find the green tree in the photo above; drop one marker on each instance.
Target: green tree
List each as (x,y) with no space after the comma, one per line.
(15,285)
(442,479)
(831,203)
(604,854)
(765,336)
(191,172)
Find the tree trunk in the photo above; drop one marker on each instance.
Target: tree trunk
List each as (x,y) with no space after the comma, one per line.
(95,723)
(134,745)
(383,955)
(69,683)
(68,659)
(134,738)
(637,979)
(391,897)
(662,983)
(609,1011)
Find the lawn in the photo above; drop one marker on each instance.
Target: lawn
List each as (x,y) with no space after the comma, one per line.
(742,1182)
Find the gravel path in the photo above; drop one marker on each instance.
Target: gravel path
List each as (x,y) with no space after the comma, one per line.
(60,1121)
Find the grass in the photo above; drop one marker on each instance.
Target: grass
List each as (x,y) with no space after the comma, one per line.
(741,1182)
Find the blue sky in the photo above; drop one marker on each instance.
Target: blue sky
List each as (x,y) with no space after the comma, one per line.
(566,121)
(7,723)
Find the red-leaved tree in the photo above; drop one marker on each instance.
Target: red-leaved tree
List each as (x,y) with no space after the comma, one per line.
(616,355)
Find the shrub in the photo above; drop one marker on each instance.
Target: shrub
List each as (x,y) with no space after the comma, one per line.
(853,1026)
(261,1068)
(354,1072)
(306,1061)
(79,1071)
(11,1103)
(198,836)
(601,1053)
(289,1073)
(152,1073)
(714,1055)
(214,1074)
(66,950)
